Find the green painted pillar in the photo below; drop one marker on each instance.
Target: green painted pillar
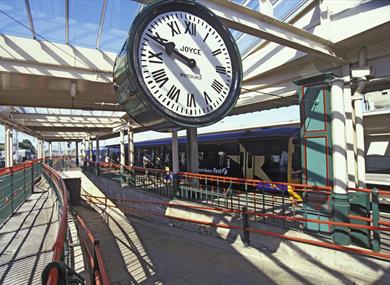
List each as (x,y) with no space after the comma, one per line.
(316,149)
(324,155)
(340,212)
(359,206)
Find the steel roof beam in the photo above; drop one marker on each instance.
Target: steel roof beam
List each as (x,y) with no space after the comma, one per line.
(70,129)
(5,121)
(101,24)
(30,19)
(251,22)
(67,118)
(259,25)
(67,22)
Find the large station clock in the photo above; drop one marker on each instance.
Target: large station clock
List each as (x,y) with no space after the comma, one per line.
(180,67)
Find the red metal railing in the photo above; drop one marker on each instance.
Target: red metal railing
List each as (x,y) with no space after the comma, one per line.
(98,270)
(99,201)
(58,247)
(266,201)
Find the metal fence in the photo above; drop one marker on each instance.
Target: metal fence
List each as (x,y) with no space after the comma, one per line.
(17,185)
(290,206)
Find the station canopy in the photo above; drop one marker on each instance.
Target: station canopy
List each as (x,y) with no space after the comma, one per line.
(57,56)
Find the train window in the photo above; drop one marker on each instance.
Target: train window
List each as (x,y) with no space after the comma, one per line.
(241,158)
(250,158)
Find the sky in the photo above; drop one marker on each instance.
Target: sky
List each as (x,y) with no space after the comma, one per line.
(84,16)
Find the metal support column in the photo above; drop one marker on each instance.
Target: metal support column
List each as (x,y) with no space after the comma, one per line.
(349,128)
(130,141)
(90,154)
(8,147)
(97,157)
(39,149)
(43,150)
(192,145)
(84,152)
(77,154)
(361,163)
(122,156)
(175,153)
(130,154)
(341,208)
(50,150)
(175,162)
(87,151)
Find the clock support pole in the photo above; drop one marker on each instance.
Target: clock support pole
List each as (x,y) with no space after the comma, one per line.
(192,150)
(192,154)
(175,162)
(175,154)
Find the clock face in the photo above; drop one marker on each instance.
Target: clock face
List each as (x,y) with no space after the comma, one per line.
(185,64)
(180,67)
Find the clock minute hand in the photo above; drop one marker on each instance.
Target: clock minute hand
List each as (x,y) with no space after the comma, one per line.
(170,48)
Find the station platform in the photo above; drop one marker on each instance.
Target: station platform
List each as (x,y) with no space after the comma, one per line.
(27,238)
(151,252)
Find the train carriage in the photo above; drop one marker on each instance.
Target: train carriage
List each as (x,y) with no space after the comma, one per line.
(270,153)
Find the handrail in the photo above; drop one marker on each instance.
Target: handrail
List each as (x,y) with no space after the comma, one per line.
(254,230)
(253,213)
(99,274)
(58,247)
(235,180)
(18,167)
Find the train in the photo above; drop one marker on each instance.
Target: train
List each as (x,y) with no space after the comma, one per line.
(269,153)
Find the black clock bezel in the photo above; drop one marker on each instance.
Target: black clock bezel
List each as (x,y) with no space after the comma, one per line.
(140,23)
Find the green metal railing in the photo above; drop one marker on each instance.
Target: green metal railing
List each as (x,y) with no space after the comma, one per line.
(274,203)
(17,185)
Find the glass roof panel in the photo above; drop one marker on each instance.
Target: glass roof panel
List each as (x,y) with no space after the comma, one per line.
(119,17)
(283,9)
(49,19)
(16,9)
(84,19)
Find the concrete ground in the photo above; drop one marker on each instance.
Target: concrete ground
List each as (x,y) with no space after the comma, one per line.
(26,239)
(141,252)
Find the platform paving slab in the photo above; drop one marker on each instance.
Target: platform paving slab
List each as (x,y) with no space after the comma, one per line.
(155,253)
(26,239)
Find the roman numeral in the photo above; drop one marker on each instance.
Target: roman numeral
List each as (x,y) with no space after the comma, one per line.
(221,69)
(157,38)
(190,28)
(174,28)
(153,55)
(217,52)
(217,86)
(207,98)
(160,76)
(174,93)
(190,100)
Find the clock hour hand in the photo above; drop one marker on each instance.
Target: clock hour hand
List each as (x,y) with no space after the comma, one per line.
(191,63)
(170,48)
